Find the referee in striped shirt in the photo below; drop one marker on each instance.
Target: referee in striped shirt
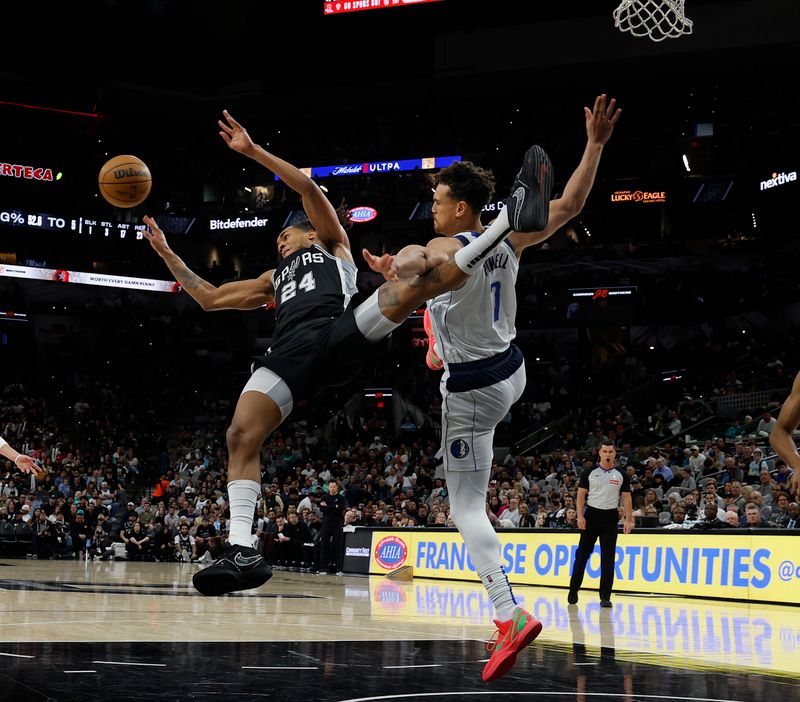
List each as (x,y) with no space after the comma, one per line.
(600,487)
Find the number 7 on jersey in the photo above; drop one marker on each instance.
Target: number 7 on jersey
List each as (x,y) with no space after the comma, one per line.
(496,290)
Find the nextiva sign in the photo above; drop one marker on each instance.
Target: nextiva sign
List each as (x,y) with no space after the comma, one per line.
(779,179)
(394,166)
(362,214)
(745,566)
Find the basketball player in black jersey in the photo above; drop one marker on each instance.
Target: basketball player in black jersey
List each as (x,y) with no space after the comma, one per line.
(324,331)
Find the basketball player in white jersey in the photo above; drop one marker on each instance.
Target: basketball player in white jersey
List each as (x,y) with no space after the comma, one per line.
(484,373)
(324,332)
(25,463)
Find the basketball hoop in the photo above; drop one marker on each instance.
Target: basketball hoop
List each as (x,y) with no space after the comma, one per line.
(658,19)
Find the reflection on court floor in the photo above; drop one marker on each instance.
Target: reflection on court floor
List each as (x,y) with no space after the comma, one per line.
(44,601)
(73,631)
(690,631)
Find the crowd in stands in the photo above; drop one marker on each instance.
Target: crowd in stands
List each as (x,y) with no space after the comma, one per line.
(96,504)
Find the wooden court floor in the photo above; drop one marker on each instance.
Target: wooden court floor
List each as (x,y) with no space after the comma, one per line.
(85,631)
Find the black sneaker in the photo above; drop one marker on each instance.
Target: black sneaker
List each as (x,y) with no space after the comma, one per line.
(572,597)
(238,568)
(529,202)
(606,603)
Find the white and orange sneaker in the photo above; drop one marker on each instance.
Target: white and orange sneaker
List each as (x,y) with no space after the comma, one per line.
(431,357)
(509,639)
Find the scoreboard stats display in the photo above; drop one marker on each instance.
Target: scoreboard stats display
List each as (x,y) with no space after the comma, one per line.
(601,305)
(337,7)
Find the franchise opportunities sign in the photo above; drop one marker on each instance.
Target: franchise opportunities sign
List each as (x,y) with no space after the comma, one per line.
(742,567)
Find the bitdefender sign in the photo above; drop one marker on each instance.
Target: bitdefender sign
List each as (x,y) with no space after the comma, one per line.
(779,179)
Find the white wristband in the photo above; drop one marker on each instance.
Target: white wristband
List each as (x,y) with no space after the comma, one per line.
(19,455)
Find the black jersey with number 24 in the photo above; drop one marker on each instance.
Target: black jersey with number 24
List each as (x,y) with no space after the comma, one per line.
(309,284)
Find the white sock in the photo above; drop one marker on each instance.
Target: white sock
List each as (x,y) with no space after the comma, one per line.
(242,497)
(471,257)
(496,583)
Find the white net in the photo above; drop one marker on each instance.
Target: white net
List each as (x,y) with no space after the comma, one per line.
(658,19)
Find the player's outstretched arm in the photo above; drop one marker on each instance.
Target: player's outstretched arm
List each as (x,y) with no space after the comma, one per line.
(321,213)
(25,463)
(781,438)
(238,295)
(600,123)
(413,260)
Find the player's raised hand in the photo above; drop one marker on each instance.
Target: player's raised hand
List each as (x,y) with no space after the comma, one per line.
(155,236)
(601,119)
(27,464)
(381,264)
(234,134)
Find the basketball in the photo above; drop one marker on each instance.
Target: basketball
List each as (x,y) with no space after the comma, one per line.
(125,181)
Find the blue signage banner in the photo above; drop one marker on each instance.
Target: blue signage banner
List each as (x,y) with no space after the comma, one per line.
(396,166)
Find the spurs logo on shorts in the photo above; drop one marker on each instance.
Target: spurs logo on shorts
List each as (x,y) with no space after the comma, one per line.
(459,448)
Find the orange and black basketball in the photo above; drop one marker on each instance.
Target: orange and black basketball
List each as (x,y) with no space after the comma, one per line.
(125,181)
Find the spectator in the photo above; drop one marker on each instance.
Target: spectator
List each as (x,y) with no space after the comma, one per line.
(526,521)
(687,482)
(136,545)
(651,499)
(784,475)
(80,534)
(712,520)
(765,483)
(678,517)
(204,537)
(794,516)
(663,470)
(570,518)
(184,544)
(101,547)
(163,544)
(753,518)
(779,516)
(766,425)
(735,430)
(301,546)
(732,519)
(756,466)
(696,460)
(735,491)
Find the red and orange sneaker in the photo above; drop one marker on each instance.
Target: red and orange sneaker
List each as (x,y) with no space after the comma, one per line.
(431,358)
(509,639)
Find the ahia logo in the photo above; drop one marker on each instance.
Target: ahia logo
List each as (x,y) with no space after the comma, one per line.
(362,214)
(459,448)
(389,595)
(391,552)
(779,179)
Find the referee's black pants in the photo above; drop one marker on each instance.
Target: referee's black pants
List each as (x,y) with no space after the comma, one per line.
(600,523)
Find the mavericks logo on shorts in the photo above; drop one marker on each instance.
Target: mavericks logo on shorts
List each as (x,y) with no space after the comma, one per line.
(391,552)
(459,448)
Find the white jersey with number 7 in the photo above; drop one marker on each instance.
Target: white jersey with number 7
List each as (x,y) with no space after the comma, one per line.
(477,321)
